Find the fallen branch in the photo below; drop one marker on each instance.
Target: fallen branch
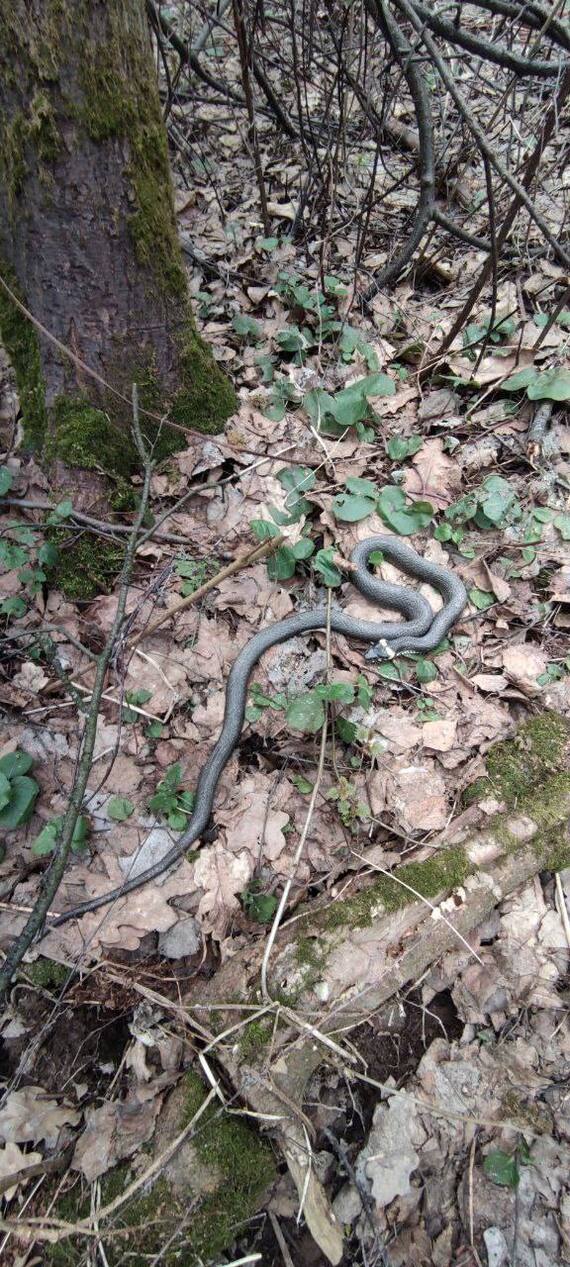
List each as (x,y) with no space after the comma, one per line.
(364,949)
(243,561)
(54,875)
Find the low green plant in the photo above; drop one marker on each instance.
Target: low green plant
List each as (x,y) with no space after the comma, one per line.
(351,808)
(171,801)
(18,792)
(46,842)
(259,906)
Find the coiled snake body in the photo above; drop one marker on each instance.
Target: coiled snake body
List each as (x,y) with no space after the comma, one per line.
(420,630)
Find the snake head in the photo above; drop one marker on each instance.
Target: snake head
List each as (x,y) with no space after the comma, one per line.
(379,651)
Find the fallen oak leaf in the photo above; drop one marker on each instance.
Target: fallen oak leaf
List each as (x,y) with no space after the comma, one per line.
(29,1116)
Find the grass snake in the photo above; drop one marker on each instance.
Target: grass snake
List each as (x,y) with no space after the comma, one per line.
(420,630)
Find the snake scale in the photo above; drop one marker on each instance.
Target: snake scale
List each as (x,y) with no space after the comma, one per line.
(420,630)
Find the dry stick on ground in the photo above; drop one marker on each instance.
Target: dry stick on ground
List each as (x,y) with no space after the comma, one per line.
(243,561)
(54,875)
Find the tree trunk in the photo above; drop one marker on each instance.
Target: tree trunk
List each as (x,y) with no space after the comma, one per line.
(88,237)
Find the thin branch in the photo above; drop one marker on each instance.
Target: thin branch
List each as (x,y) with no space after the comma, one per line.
(404,55)
(479,47)
(54,875)
(237,565)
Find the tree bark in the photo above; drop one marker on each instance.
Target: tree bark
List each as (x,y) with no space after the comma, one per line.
(88,238)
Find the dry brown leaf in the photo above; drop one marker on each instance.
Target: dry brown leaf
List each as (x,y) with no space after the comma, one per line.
(433,474)
(440,735)
(29,1115)
(523,664)
(222,875)
(493,683)
(12,1159)
(113,1131)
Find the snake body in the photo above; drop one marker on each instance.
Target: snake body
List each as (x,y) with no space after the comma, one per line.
(420,630)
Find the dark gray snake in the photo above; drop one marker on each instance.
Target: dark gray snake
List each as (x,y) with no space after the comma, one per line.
(419,631)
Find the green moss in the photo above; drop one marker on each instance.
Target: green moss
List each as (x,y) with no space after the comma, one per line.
(444,870)
(206,396)
(33,130)
(245,1163)
(88,566)
(45,973)
(517,766)
(84,436)
(311,956)
(21,343)
(229,1149)
(256,1035)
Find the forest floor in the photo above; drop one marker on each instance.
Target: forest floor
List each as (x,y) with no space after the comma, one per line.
(455,1148)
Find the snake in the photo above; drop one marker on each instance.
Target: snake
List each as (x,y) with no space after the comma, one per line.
(420,630)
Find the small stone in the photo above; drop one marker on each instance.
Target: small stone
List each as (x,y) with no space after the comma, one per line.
(184,938)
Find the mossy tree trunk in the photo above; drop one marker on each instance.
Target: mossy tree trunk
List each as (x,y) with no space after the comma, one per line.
(88,235)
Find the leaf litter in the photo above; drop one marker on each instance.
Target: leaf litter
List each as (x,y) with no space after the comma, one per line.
(416,747)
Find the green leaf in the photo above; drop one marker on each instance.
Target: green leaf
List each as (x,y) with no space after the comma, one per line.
(350,509)
(176,820)
(263,529)
(379,385)
(521,380)
(306,713)
(502,1169)
(562,523)
(12,556)
(327,569)
(360,487)
(15,763)
(154,730)
(13,606)
(5,790)
(48,554)
(425,670)
(23,795)
(247,327)
(481,599)
(404,519)
(297,480)
(281,565)
(260,907)
(350,405)
(62,511)
(318,403)
(6,478)
(292,339)
(365,694)
(336,692)
(345,729)
(497,499)
(46,841)
(303,549)
(119,808)
(551,385)
(400,447)
(302,785)
(389,671)
(333,286)
(139,697)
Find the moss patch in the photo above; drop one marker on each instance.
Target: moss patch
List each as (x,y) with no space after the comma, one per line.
(517,766)
(87,567)
(242,1158)
(445,870)
(83,436)
(45,973)
(227,1146)
(21,343)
